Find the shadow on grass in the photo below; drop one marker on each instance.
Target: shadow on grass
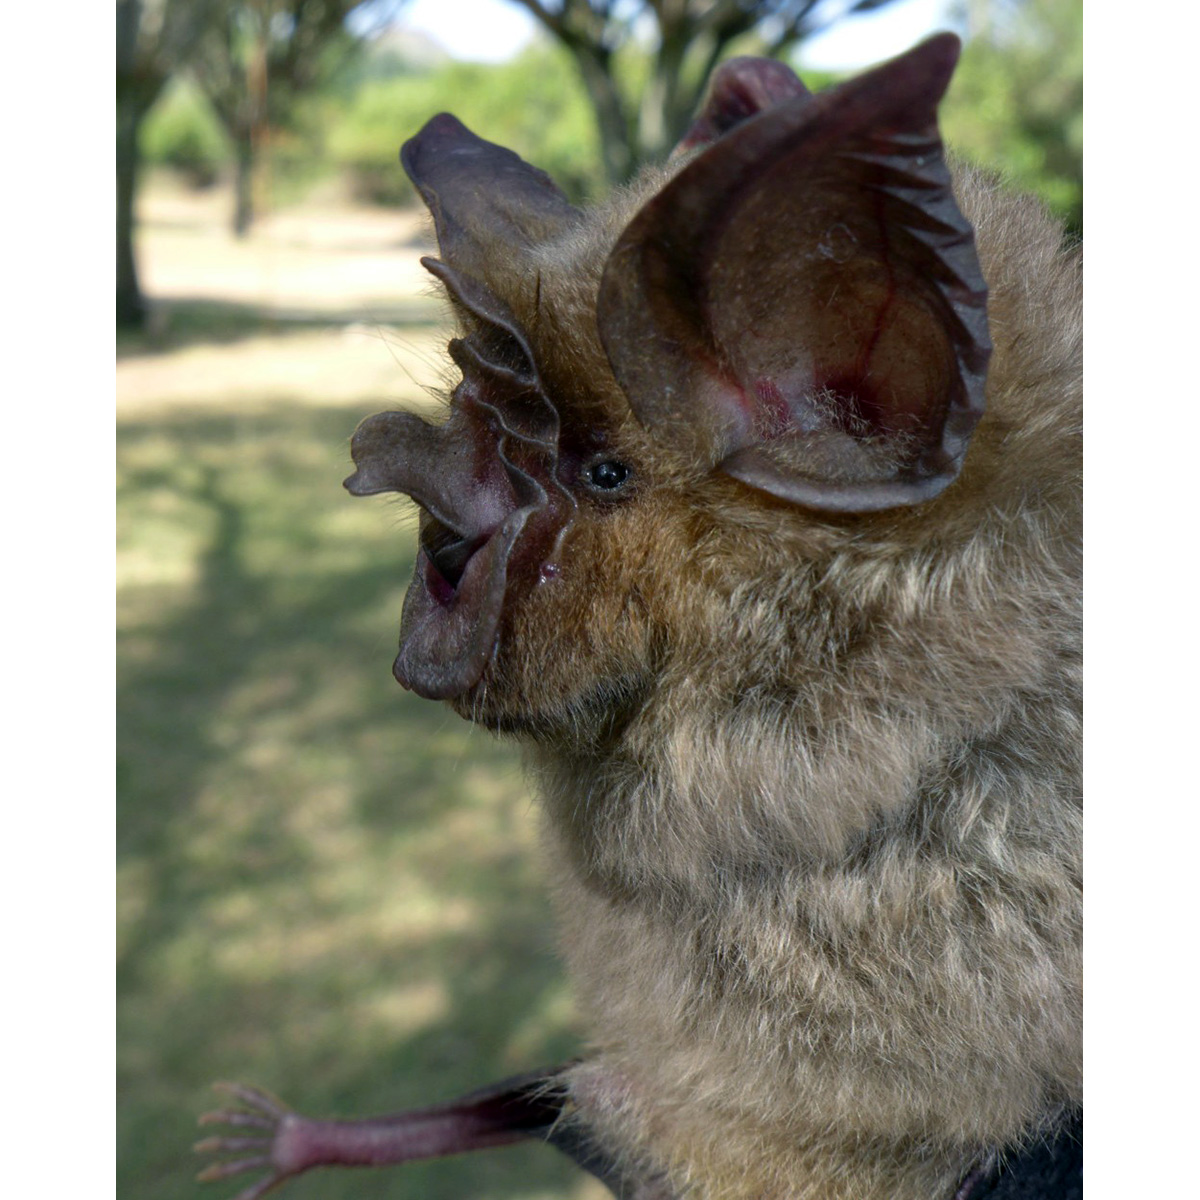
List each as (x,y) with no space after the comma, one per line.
(326,885)
(179,323)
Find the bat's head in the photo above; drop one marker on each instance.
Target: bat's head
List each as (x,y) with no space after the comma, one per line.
(783,331)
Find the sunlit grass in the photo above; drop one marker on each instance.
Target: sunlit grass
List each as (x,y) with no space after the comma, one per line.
(327,886)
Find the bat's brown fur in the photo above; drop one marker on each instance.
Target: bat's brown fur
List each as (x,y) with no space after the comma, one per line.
(811,780)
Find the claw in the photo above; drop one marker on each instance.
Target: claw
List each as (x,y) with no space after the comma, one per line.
(254,1098)
(224,1170)
(215,1145)
(262,1111)
(260,1189)
(235,1116)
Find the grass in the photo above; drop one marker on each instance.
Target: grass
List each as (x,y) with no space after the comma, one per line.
(327,887)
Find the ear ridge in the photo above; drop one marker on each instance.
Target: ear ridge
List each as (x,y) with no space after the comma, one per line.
(802,305)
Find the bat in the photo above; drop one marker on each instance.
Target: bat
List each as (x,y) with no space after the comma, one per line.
(755,519)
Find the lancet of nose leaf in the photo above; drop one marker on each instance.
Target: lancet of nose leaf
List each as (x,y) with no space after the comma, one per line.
(483,197)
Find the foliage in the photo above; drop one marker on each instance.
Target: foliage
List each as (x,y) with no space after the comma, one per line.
(689,38)
(534,105)
(1016,102)
(267,54)
(181,132)
(255,61)
(154,37)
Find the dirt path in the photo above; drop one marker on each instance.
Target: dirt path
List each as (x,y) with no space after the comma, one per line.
(325,302)
(326,256)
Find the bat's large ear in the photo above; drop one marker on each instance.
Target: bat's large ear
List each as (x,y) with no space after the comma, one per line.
(740,88)
(802,306)
(486,201)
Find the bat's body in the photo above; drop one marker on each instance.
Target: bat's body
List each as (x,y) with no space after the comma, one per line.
(797,671)
(821,894)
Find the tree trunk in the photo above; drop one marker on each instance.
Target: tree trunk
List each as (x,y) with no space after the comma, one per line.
(243,182)
(658,124)
(131,307)
(138,86)
(595,66)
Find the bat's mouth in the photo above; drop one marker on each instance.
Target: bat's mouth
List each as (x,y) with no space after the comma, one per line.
(486,527)
(447,554)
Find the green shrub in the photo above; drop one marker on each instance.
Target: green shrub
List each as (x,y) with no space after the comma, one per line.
(534,105)
(1015,104)
(182,132)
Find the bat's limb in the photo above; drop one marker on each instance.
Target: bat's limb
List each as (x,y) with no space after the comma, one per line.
(272,1138)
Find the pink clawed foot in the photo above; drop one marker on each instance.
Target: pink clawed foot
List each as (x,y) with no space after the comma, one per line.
(284,1144)
(272,1149)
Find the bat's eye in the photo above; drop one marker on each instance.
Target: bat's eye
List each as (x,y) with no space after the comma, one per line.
(607,476)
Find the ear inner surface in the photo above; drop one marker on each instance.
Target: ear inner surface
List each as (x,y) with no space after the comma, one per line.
(802,305)
(739,89)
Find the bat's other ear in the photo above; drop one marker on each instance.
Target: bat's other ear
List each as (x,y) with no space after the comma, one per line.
(486,201)
(739,89)
(801,307)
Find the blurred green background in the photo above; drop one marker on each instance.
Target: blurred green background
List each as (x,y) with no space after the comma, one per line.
(326,886)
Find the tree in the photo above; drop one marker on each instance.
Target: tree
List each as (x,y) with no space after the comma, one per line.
(692,35)
(1016,103)
(153,38)
(256,57)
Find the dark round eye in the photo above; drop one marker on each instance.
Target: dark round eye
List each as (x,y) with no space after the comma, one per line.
(607,476)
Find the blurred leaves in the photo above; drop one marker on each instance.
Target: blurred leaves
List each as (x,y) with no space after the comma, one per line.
(533,105)
(184,134)
(1015,104)
(255,60)
(687,39)
(153,39)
